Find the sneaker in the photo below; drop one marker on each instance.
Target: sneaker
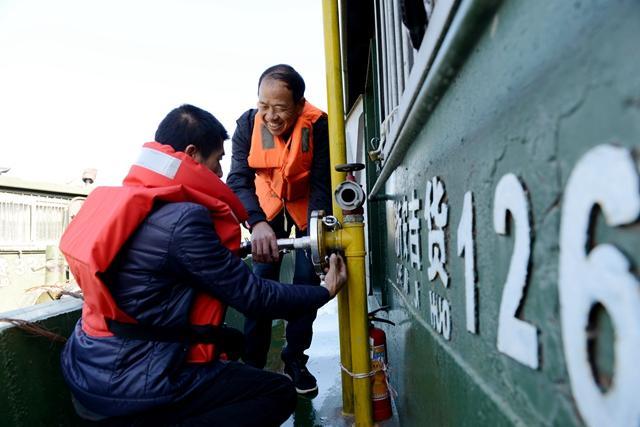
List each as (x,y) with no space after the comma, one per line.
(302,379)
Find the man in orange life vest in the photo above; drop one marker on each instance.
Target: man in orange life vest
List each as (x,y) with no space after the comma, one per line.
(155,261)
(280,171)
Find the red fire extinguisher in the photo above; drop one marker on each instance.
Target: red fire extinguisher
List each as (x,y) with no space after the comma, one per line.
(381,400)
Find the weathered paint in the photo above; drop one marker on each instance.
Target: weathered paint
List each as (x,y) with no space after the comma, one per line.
(600,276)
(20,274)
(32,390)
(540,85)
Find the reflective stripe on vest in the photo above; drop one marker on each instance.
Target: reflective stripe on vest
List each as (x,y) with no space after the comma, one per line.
(158,162)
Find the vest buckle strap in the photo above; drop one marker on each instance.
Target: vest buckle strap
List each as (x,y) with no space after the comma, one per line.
(227,340)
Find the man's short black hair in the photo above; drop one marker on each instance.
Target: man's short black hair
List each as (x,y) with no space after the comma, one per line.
(285,73)
(187,125)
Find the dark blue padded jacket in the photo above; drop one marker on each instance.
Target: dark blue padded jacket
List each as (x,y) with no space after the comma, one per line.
(174,254)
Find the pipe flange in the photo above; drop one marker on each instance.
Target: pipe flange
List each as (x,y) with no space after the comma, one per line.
(316,237)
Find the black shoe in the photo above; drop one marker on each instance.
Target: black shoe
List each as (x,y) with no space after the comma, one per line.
(304,382)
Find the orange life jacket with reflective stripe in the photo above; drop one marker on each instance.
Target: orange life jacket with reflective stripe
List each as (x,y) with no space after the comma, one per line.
(283,167)
(110,215)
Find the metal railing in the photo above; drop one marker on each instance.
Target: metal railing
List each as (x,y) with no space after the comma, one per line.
(402,68)
(31,221)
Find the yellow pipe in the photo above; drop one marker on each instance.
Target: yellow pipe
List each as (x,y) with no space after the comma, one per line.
(354,250)
(337,240)
(350,239)
(337,155)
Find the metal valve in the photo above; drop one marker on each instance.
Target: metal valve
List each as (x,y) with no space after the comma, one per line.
(349,167)
(284,245)
(319,224)
(349,194)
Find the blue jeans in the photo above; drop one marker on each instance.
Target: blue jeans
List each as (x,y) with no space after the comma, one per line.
(299,331)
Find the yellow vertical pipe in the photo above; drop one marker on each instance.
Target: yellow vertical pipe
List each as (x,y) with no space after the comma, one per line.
(337,154)
(354,251)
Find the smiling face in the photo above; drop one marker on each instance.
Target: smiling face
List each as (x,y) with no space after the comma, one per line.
(275,104)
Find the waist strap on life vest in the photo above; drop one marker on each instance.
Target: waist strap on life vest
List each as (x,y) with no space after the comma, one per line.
(228,341)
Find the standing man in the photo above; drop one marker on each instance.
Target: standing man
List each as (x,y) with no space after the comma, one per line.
(154,258)
(280,171)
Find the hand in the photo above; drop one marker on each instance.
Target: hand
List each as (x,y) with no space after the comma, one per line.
(336,275)
(264,245)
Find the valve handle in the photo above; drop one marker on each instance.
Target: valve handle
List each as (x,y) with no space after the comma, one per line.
(373,318)
(377,319)
(383,308)
(350,167)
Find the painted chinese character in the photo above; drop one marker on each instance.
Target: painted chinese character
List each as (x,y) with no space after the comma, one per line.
(398,231)
(399,275)
(405,229)
(402,229)
(436,213)
(405,281)
(402,278)
(415,255)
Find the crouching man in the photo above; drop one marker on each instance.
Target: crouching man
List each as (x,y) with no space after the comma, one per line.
(155,260)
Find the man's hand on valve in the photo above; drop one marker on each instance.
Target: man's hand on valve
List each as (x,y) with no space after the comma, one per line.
(264,245)
(336,275)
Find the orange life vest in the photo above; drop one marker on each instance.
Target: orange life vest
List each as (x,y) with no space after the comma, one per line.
(283,167)
(110,215)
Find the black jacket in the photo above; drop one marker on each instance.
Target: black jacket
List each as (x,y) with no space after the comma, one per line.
(174,254)
(242,177)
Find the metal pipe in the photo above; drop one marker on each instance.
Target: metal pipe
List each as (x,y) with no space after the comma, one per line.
(351,240)
(54,266)
(283,245)
(381,28)
(468,22)
(391,58)
(397,31)
(296,243)
(337,155)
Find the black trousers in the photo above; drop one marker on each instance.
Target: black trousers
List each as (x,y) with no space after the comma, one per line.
(299,331)
(240,396)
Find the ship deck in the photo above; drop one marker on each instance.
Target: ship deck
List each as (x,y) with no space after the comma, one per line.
(325,407)
(31,369)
